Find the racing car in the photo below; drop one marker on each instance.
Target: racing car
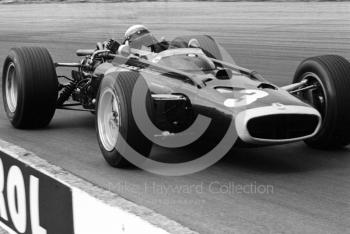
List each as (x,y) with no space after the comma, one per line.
(141,96)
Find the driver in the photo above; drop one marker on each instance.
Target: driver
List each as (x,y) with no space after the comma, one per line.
(138,37)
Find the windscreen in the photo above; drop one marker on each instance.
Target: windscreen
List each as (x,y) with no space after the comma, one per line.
(146,41)
(187,62)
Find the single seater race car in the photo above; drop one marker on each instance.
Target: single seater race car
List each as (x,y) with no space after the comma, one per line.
(192,85)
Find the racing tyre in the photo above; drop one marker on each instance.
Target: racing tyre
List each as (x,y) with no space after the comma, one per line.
(207,43)
(330,76)
(115,122)
(29,87)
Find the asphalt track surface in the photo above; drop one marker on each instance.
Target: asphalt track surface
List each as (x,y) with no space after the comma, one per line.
(311,191)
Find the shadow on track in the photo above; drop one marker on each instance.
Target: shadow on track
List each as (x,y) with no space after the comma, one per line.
(292,158)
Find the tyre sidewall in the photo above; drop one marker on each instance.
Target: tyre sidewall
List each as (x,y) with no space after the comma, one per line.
(329,120)
(16,116)
(114,157)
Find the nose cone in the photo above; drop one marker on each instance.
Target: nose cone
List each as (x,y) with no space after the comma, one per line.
(277,123)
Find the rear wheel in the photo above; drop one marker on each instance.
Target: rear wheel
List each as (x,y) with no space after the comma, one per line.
(29,87)
(115,120)
(329,77)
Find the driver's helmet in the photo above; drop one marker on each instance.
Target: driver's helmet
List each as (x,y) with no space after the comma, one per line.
(138,36)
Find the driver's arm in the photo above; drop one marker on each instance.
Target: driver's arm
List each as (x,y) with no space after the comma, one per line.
(111,45)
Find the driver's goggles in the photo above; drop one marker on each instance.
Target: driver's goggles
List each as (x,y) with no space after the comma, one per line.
(137,34)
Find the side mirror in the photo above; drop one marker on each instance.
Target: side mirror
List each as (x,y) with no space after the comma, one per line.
(194,43)
(124,50)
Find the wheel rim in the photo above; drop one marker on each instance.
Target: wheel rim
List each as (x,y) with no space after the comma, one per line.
(108,119)
(11,88)
(316,97)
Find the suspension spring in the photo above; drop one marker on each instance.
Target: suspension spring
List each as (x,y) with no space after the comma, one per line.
(66,93)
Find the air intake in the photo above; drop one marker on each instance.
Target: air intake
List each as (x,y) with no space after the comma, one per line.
(282,126)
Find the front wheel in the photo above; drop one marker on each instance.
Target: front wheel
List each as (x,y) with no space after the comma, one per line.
(115,121)
(328,90)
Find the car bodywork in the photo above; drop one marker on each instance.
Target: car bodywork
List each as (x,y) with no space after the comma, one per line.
(263,113)
(187,93)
